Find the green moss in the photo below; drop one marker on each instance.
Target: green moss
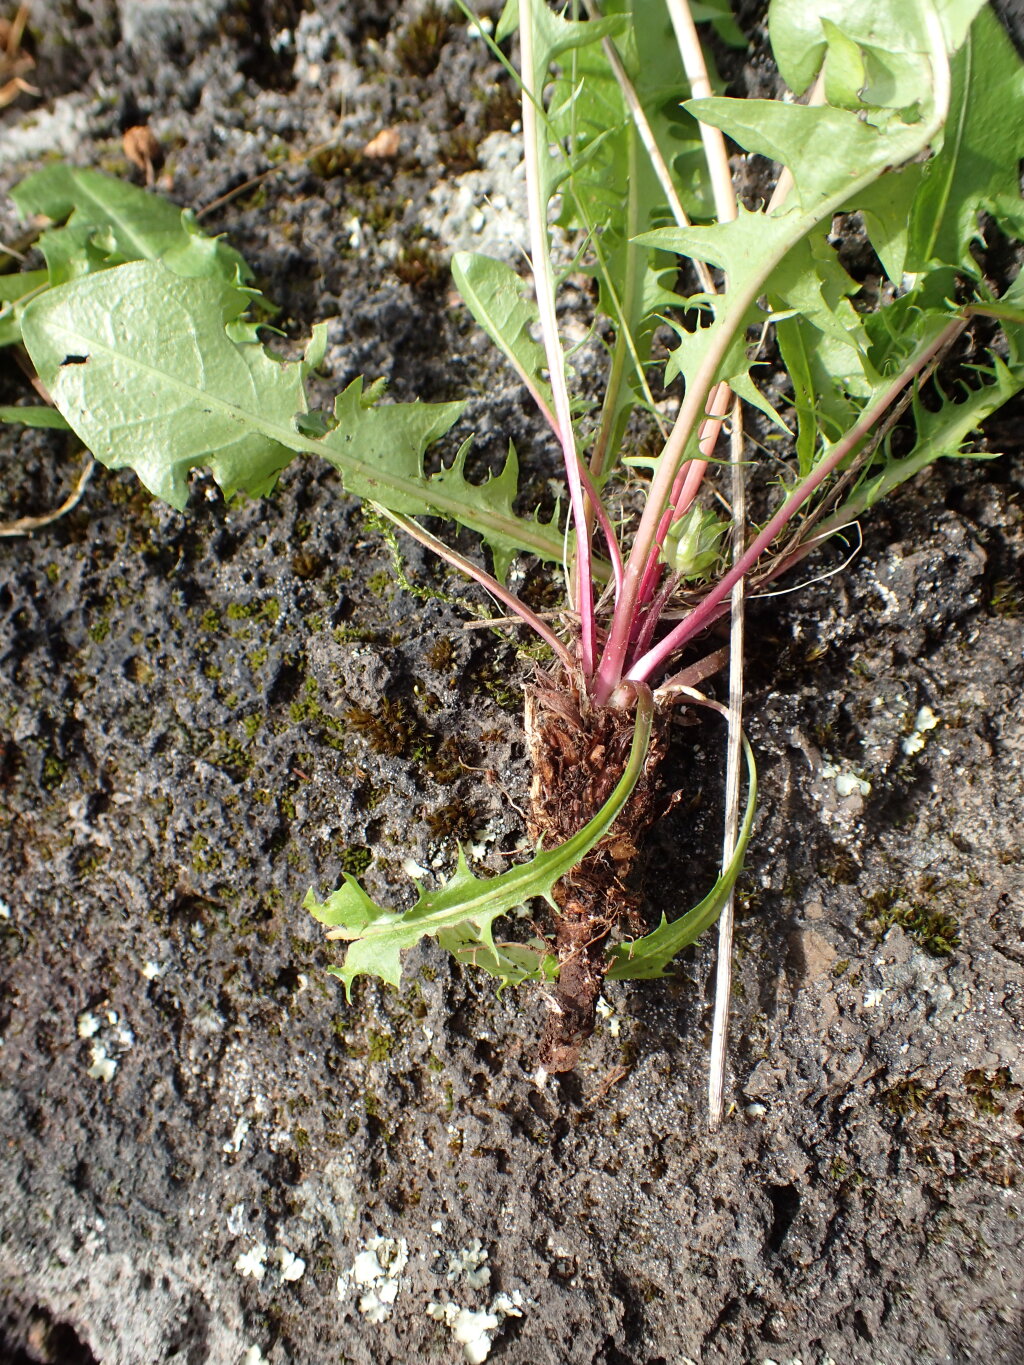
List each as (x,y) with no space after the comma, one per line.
(356,860)
(88,862)
(456,818)
(502,108)
(441,654)
(460,151)
(100,630)
(1006,598)
(210,619)
(204,857)
(54,772)
(371,797)
(985,1088)
(381,1046)
(229,752)
(251,724)
(419,45)
(306,565)
(838,865)
(936,930)
(390,729)
(380,583)
(420,266)
(446,764)
(268,611)
(493,679)
(328,162)
(365,635)
(53,573)
(905,1098)
(257,658)
(429,702)
(139,671)
(300,1138)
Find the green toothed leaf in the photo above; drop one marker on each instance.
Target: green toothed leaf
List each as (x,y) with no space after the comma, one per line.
(887,206)
(510,963)
(139,362)
(379,452)
(940,433)
(111,222)
(828,150)
(892,38)
(466,907)
(824,344)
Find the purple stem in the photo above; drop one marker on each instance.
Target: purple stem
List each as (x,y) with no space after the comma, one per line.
(701,616)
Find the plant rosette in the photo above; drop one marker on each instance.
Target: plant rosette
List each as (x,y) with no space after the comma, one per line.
(905,116)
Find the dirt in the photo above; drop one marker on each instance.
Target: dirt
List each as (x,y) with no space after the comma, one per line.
(202,715)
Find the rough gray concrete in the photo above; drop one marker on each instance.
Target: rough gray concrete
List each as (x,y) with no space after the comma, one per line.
(190,1109)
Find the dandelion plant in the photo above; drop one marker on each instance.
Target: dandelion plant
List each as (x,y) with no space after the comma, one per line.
(900,117)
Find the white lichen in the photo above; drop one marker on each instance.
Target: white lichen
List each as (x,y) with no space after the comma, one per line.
(234,1142)
(236,1220)
(475,1329)
(377,1269)
(111,1040)
(292,1267)
(472,1330)
(102,1066)
(607,1013)
(848,783)
(925,720)
(467,1265)
(253,1263)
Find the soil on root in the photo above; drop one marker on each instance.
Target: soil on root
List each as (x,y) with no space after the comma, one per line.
(578,753)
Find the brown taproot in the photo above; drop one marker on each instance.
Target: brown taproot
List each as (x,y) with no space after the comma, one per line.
(578,752)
